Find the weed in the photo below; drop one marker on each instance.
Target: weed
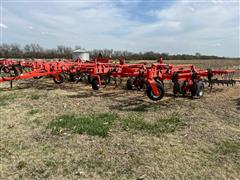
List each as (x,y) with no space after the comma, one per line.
(96,124)
(163,125)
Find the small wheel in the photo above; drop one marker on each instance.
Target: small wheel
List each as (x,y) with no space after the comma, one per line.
(130,84)
(175,77)
(159,80)
(139,83)
(176,89)
(10,71)
(197,89)
(89,79)
(72,77)
(37,77)
(17,69)
(95,84)
(60,79)
(179,88)
(154,97)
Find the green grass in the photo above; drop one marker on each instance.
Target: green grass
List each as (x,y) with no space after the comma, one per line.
(5,99)
(228,147)
(96,124)
(227,151)
(35,97)
(162,125)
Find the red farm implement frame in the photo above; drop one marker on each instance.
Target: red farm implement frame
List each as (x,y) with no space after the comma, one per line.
(186,79)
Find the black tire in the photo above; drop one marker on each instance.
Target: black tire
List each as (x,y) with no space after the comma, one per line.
(17,69)
(37,77)
(130,84)
(89,79)
(11,70)
(151,95)
(141,84)
(72,77)
(61,79)
(197,89)
(159,80)
(178,88)
(175,77)
(95,84)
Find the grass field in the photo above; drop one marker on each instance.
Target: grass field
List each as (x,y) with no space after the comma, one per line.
(69,131)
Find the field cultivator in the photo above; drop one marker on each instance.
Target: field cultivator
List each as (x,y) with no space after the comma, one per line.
(186,78)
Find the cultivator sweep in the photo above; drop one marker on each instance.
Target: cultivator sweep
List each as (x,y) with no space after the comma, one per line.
(186,79)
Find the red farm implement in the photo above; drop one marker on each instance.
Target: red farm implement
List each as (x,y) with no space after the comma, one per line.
(186,79)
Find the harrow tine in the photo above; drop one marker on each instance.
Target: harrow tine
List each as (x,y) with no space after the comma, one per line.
(222,82)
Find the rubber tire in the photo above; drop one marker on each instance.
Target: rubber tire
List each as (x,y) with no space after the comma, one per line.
(159,80)
(197,89)
(72,77)
(95,84)
(150,92)
(177,88)
(17,69)
(89,79)
(37,77)
(59,81)
(130,84)
(174,77)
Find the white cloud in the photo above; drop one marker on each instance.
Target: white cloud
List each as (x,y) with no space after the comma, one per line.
(216,44)
(202,24)
(183,27)
(3,26)
(44,33)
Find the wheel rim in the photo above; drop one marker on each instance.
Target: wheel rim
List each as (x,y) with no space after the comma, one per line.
(201,93)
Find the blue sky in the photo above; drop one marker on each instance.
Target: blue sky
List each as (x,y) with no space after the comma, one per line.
(208,27)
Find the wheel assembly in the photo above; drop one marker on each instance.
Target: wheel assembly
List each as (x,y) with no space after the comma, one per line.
(95,84)
(89,79)
(197,89)
(151,94)
(37,77)
(179,88)
(130,84)
(72,77)
(59,79)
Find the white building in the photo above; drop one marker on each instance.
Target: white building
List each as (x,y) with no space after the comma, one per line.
(81,54)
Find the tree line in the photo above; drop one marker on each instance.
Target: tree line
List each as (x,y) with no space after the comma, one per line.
(37,51)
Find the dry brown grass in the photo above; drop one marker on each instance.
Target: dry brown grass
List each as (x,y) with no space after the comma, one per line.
(205,146)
